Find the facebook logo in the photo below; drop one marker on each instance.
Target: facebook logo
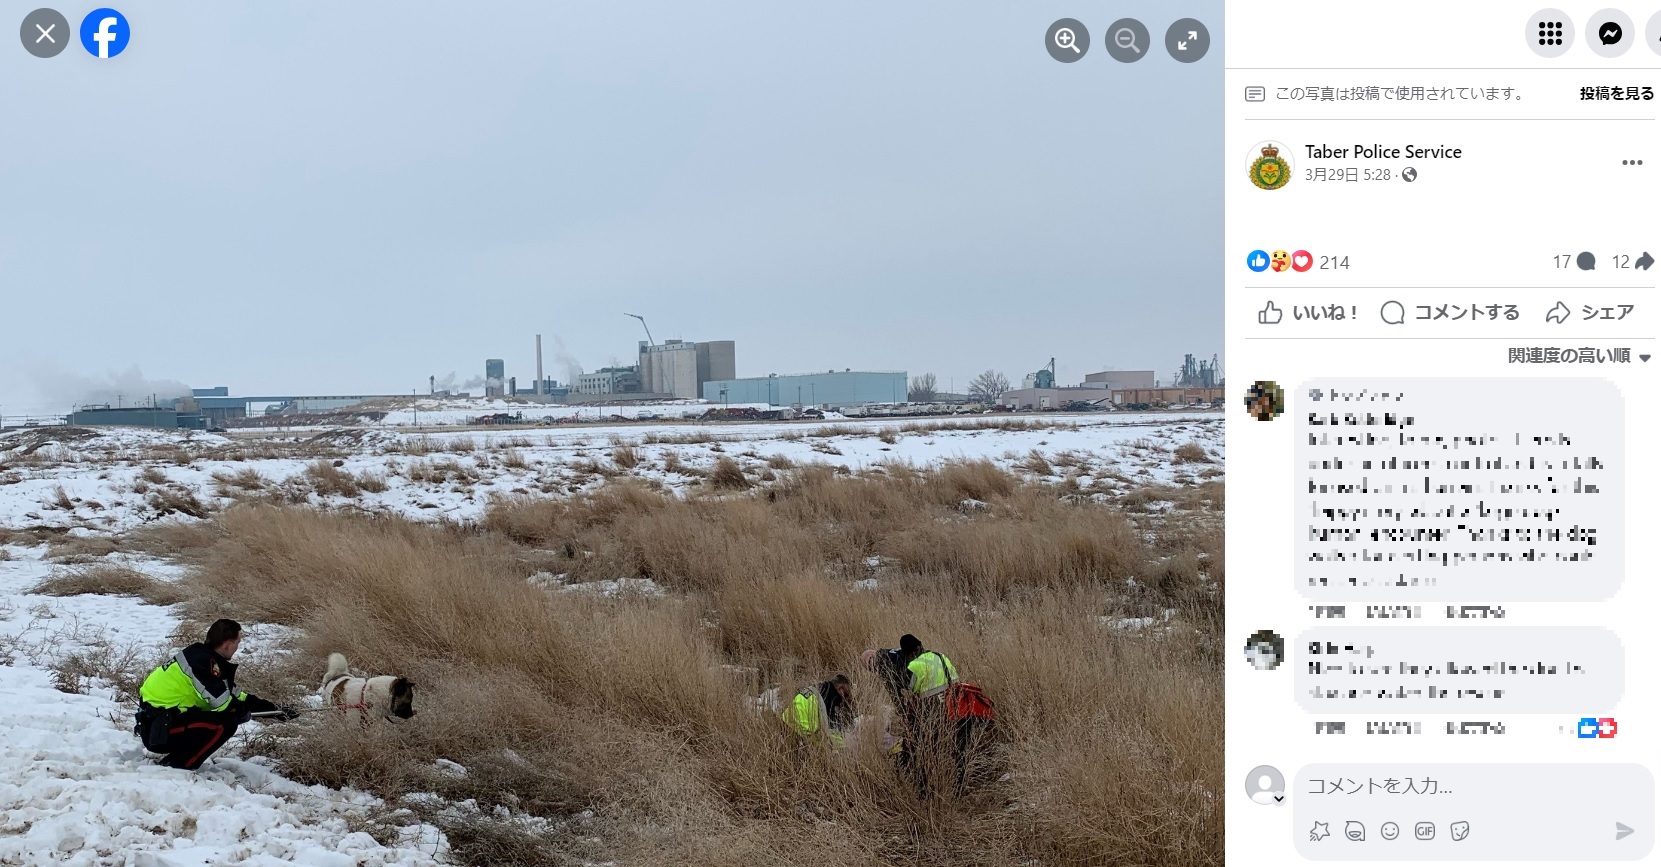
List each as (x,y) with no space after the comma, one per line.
(104,32)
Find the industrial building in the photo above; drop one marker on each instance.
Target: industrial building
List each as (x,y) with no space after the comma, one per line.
(495,376)
(136,416)
(217,406)
(1040,391)
(610,380)
(832,388)
(681,369)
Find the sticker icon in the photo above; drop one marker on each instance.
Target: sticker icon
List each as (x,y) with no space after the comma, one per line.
(1269,168)
(1302,261)
(1355,832)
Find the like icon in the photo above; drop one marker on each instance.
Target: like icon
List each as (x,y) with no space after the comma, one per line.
(1258,261)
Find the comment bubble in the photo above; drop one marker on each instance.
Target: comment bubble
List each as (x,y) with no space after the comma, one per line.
(1474,812)
(1506,669)
(1438,489)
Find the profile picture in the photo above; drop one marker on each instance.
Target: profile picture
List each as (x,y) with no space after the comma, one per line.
(1265,650)
(1265,400)
(1270,165)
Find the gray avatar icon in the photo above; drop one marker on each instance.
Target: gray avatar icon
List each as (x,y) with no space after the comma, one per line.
(1586,262)
(45,33)
(1067,40)
(1266,786)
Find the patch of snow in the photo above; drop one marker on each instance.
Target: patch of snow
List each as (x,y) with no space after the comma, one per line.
(619,587)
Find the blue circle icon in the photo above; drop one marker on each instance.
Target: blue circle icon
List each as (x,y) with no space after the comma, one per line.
(104,33)
(1257,260)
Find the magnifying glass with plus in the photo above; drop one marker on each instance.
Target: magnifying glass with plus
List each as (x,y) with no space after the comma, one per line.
(1125,37)
(1065,39)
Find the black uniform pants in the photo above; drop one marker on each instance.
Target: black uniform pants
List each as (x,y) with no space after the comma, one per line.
(186,737)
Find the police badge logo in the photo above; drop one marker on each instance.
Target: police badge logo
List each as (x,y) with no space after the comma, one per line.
(1270,169)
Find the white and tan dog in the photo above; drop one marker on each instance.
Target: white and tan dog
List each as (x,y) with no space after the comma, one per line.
(383,696)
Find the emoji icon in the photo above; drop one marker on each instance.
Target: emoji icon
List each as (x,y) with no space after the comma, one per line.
(1389,831)
(1258,261)
(1302,261)
(1280,260)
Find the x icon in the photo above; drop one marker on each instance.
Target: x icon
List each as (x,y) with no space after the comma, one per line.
(46,33)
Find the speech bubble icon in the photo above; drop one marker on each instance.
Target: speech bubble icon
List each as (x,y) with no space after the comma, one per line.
(1393,313)
(1609,32)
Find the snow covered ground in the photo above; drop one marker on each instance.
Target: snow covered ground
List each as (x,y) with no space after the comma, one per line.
(116,479)
(75,786)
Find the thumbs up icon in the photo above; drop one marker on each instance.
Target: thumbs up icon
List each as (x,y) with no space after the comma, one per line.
(1269,315)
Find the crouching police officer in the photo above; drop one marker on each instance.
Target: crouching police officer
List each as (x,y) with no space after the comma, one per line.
(190,706)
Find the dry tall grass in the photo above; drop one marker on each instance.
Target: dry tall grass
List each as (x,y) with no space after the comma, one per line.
(557,702)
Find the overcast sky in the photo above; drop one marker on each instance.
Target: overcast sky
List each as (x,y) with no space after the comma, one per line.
(320,198)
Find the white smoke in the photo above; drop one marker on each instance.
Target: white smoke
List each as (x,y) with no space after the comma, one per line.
(573,367)
(128,387)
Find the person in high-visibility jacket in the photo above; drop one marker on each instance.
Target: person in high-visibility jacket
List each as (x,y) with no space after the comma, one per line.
(190,706)
(925,676)
(823,712)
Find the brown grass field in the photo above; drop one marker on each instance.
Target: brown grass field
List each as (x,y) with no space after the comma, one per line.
(613,719)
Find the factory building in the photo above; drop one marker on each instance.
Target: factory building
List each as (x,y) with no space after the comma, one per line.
(610,380)
(495,377)
(136,416)
(1040,392)
(833,389)
(678,368)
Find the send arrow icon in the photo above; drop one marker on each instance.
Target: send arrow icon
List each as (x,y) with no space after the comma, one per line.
(1622,831)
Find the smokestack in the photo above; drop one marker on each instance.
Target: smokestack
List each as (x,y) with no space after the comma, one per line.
(539,365)
(432,385)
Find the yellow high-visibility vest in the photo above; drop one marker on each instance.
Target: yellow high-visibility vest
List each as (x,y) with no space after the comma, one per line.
(806,716)
(931,673)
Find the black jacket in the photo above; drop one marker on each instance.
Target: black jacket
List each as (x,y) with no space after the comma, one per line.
(840,711)
(891,666)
